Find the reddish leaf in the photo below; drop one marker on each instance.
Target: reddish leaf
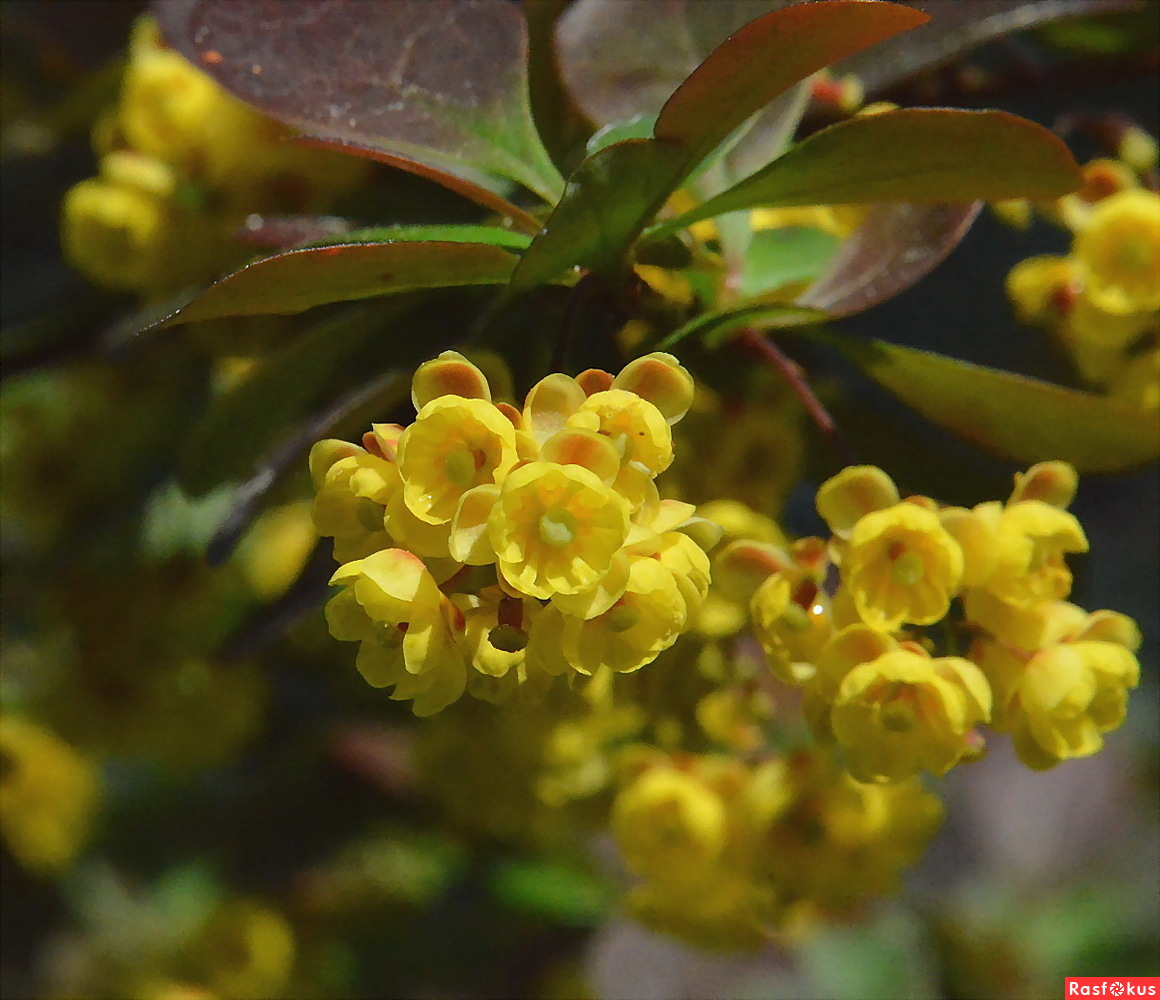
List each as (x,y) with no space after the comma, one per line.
(439,81)
(1017,417)
(281,232)
(300,279)
(453,182)
(766,58)
(623,58)
(895,247)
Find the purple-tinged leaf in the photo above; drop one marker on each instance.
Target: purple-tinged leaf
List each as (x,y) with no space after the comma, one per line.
(912,155)
(280,232)
(765,58)
(894,248)
(439,81)
(1019,418)
(297,280)
(623,58)
(453,182)
(956,26)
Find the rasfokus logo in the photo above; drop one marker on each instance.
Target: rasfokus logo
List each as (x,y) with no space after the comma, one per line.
(1112,986)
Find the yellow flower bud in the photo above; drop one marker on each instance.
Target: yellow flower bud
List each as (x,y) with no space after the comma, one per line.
(660,379)
(450,374)
(853,493)
(1054,483)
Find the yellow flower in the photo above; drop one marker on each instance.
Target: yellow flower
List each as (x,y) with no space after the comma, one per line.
(1059,700)
(246,950)
(48,794)
(901,565)
(635,426)
(496,630)
(670,825)
(350,505)
(1032,539)
(1043,289)
(1118,253)
(834,841)
(556,528)
(1102,178)
(454,445)
(791,620)
(407,631)
(646,620)
(1138,383)
(904,712)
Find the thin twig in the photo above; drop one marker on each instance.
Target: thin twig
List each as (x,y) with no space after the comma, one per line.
(759,344)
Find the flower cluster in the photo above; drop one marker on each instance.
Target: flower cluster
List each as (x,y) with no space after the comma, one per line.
(182,163)
(1103,299)
(726,850)
(494,547)
(1038,667)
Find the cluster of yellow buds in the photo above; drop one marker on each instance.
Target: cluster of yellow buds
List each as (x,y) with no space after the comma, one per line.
(1038,667)
(48,795)
(728,851)
(1103,299)
(520,543)
(182,163)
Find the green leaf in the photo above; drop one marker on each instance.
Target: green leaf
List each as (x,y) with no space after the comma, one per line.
(1019,418)
(440,83)
(918,155)
(715,327)
(615,192)
(636,127)
(451,233)
(607,202)
(297,280)
(767,57)
(553,888)
(780,257)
